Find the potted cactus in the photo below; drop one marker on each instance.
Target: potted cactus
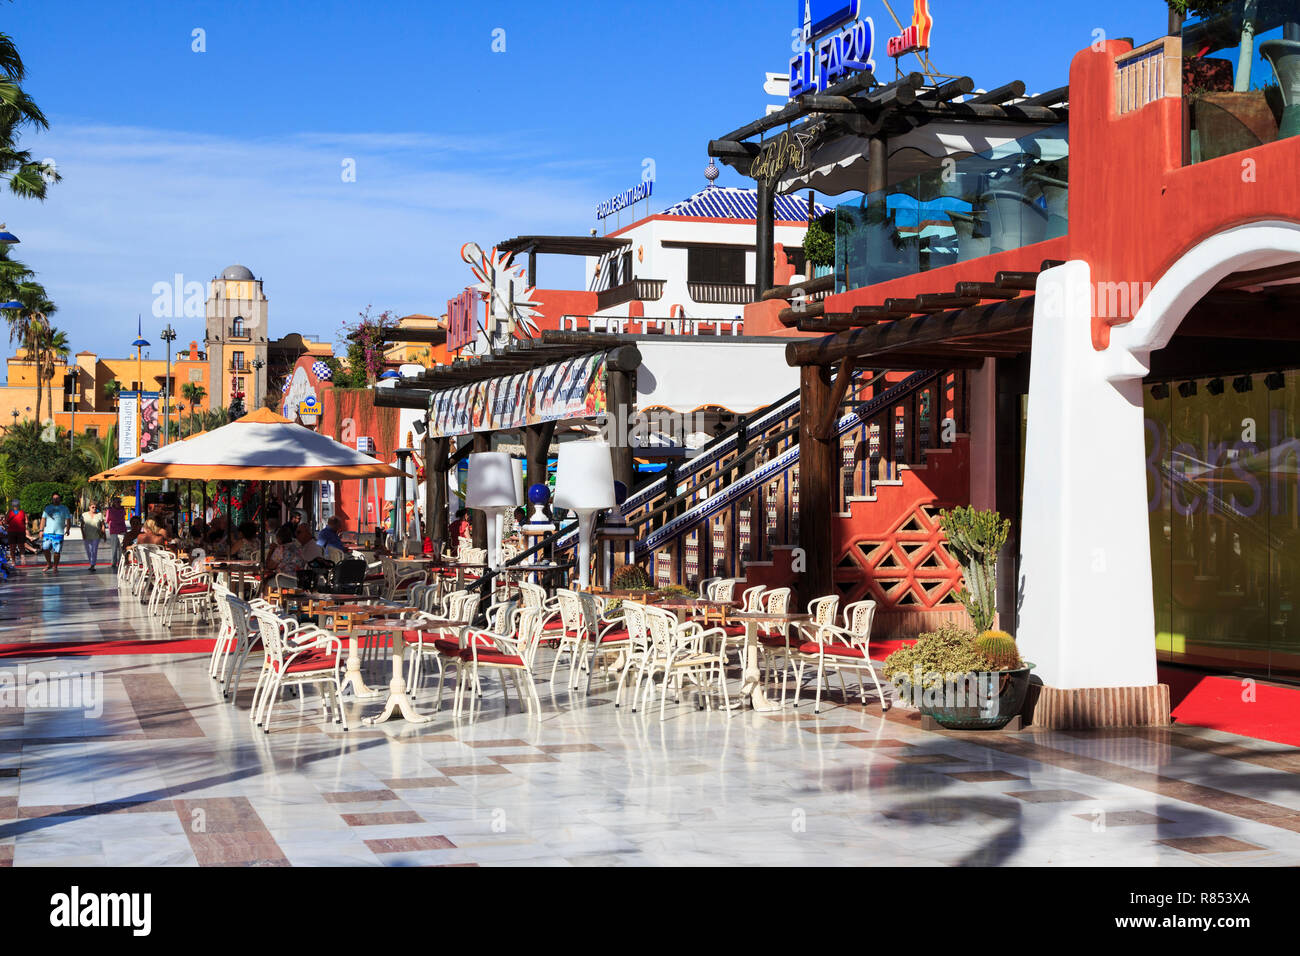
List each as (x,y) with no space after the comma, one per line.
(960,680)
(974,539)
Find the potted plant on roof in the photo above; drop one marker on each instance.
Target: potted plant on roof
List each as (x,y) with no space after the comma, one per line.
(1226,114)
(967,680)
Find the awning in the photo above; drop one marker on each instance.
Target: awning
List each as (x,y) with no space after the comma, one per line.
(261,446)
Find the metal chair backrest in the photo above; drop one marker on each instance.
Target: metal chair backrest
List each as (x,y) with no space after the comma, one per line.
(469,607)
(570,609)
(534,595)
(590,607)
(637,626)
(752,599)
(706,586)
(858,618)
(823,610)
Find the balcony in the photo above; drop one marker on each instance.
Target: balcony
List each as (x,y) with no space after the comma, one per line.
(1012,196)
(235,334)
(721,293)
(644,290)
(242,368)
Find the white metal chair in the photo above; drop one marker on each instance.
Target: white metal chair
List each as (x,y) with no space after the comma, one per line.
(568,635)
(638,647)
(510,655)
(831,648)
(296,655)
(677,652)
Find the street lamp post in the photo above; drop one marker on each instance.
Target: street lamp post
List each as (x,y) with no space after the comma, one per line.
(168,335)
(139,344)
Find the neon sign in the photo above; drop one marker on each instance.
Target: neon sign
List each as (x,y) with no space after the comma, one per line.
(917,36)
(835,56)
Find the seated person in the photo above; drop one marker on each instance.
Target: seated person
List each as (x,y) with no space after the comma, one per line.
(311,551)
(133,532)
(245,546)
(286,560)
(152,534)
(329,540)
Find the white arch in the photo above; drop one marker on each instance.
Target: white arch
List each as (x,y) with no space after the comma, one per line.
(1256,245)
(1087,617)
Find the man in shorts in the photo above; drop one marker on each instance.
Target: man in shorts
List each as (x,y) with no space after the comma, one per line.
(54,525)
(16,522)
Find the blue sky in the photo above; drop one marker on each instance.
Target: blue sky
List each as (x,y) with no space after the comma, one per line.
(176,161)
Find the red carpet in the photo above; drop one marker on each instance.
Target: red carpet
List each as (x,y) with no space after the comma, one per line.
(104,648)
(1203,700)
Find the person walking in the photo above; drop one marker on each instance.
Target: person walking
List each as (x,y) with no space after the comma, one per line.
(54,525)
(16,525)
(116,516)
(93,530)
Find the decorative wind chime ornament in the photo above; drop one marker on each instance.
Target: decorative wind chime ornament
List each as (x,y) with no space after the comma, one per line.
(510,302)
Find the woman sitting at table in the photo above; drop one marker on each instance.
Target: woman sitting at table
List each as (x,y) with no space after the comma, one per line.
(152,534)
(287,558)
(245,546)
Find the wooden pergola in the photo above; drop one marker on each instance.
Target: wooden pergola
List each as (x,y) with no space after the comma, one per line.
(861,107)
(521,355)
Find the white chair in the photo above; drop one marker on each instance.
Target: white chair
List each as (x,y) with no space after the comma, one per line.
(677,652)
(511,656)
(830,648)
(567,633)
(638,647)
(296,655)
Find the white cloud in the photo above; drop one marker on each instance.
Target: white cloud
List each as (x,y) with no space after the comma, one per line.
(137,206)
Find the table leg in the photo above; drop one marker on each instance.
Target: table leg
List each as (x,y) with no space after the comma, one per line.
(398,700)
(752,686)
(353,673)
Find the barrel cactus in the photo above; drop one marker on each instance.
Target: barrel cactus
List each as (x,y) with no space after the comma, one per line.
(1000,649)
(974,539)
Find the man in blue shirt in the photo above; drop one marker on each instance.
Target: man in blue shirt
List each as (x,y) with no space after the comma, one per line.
(328,536)
(54,525)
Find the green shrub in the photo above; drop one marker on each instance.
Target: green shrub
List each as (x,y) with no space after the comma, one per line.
(36,496)
(819,241)
(940,655)
(631,577)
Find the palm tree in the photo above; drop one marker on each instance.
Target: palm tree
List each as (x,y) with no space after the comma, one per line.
(112,389)
(52,346)
(194,394)
(99,453)
(27,178)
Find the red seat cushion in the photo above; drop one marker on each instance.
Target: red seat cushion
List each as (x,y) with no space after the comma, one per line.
(618,634)
(195,589)
(735,630)
(310,661)
(836,650)
(491,657)
(775,640)
(451,646)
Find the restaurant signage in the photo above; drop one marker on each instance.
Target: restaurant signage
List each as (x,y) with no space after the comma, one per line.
(830,58)
(628,197)
(571,389)
(460,320)
(917,36)
(788,151)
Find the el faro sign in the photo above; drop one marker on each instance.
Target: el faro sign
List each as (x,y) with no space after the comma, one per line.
(840,41)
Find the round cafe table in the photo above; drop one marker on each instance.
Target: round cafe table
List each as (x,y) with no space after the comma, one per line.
(399,701)
(352,673)
(752,684)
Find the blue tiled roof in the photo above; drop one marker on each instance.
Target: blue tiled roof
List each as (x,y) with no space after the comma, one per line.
(730,202)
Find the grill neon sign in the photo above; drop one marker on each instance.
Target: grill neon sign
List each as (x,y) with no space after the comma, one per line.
(917,36)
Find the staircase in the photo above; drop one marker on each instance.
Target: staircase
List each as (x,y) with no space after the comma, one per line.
(732,510)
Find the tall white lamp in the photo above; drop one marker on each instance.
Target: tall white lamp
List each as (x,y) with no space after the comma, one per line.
(584,484)
(494,489)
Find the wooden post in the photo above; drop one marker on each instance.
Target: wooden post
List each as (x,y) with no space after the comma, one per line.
(817,471)
(765,239)
(877,164)
(621,408)
(537,450)
(478,519)
(436,453)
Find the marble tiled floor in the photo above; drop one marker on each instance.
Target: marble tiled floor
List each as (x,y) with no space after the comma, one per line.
(170,774)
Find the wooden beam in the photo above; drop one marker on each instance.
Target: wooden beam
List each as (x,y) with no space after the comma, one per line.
(823,428)
(1010,91)
(819,284)
(1023,281)
(950,90)
(985,290)
(913,334)
(1051,98)
(794,315)
(818,470)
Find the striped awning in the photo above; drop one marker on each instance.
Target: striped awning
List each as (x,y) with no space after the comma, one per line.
(731,202)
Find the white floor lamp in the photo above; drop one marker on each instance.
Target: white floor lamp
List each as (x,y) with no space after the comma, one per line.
(493,488)
(584,484)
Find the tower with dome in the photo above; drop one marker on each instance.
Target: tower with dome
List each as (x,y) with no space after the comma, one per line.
(236,337)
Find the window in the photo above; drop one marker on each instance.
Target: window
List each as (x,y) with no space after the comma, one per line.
(92,431)
(237,327)
(715,264)
(797,259)
(237,360)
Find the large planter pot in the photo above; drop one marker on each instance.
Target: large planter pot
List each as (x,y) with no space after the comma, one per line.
(1284,55)
(999,711)
(1014,220)
(1227,123)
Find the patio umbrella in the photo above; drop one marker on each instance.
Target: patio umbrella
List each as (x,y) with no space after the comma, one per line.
(261,446)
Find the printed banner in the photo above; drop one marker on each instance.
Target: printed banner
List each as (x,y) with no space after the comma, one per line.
(571,389)
(137,414)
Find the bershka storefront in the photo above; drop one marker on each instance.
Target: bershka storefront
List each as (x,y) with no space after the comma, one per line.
(1223,480)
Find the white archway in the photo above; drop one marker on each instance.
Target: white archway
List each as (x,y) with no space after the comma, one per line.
(1087,617)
